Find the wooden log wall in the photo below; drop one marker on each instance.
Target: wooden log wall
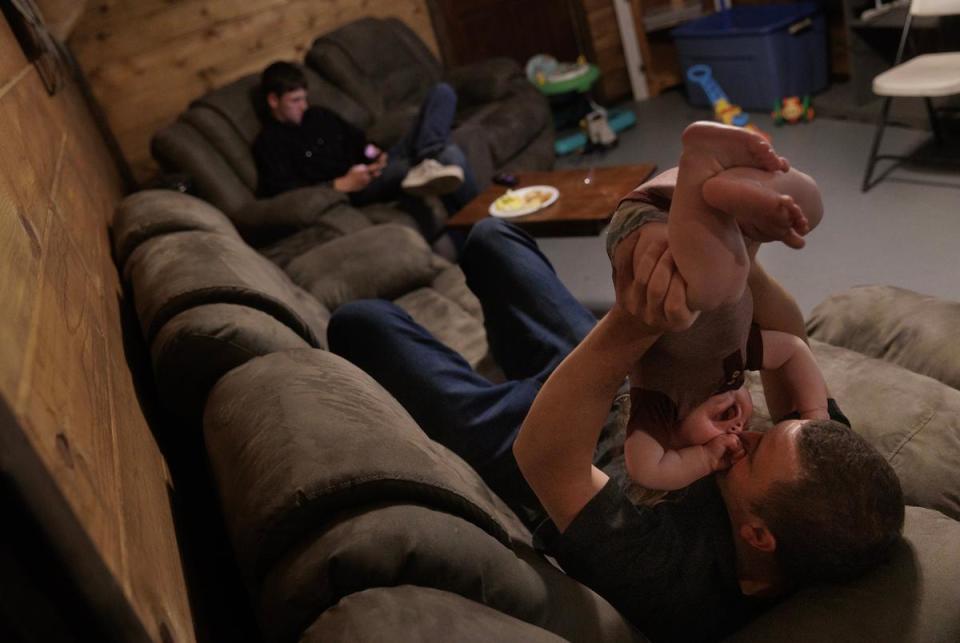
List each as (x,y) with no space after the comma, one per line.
(147,59)
(73,440)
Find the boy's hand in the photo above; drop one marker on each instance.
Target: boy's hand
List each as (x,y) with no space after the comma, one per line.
(723,450)
(356,178)
(376,168)
(647,283)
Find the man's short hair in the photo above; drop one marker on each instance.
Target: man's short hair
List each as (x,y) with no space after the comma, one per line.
(843,516)
(282,77)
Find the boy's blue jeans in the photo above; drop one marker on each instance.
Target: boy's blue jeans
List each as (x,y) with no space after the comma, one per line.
(428,138)
(532,322)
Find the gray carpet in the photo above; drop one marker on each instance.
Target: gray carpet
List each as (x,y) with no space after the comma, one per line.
(905,231)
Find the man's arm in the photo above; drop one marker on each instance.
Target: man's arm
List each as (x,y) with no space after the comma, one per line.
(555,446)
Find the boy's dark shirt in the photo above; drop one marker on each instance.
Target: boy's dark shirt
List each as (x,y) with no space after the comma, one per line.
(321,148)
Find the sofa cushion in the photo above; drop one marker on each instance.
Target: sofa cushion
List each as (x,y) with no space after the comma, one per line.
(448,322)
(485,81)
(380,63)
(287,249)
(225,138)
(197,347)
(265,221)
(916,331)
(295,437)
(383,261)
(913,420)
(178,271)
(910,599)
(418,614)
(510,125)
(181,147)
(391,544)
(150,213)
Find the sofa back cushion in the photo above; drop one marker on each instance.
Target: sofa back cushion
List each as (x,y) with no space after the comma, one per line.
(390,544)
(198,346)
(175,272)
(382,262)
(912,420)
(411,613)
(910,599)
(916,331)
(380,63)
(151,213)
(296,437)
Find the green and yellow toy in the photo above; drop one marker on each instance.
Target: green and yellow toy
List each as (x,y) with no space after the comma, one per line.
(792,110)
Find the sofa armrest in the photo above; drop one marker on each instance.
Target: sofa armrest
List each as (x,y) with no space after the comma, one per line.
(484,82)
(906,328)
(263,221)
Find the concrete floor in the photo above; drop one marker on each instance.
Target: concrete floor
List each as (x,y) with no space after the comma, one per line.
(904,232)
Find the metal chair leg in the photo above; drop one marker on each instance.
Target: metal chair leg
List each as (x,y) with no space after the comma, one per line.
(934,122)
(872,161)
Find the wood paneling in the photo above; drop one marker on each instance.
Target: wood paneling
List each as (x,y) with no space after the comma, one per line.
(87,463)
(517,29)
(604,48)
(147,59)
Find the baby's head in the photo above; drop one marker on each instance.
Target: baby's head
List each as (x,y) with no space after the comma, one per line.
(727,412)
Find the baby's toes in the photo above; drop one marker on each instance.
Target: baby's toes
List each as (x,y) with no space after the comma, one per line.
(766,157)
(798,220)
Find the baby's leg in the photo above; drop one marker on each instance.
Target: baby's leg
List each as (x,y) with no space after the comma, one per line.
(769,206)
(707,245)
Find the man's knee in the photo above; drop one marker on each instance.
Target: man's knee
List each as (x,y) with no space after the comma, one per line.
(486,238)
(442,92)
(357,322)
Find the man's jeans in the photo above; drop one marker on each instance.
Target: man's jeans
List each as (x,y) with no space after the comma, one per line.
(428,138)
(532,322)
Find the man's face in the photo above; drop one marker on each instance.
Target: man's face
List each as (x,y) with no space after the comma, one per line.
(771,457)
(289,106)
(727,412)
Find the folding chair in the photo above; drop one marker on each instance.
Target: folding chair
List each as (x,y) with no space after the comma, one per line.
(926,76)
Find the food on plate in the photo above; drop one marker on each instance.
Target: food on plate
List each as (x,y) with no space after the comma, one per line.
(513,201)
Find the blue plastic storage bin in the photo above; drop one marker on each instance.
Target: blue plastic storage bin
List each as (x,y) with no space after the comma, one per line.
(758,54)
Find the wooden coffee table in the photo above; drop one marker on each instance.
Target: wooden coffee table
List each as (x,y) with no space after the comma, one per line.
(583,208)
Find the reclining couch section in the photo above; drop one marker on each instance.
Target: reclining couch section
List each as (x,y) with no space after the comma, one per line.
(348,523)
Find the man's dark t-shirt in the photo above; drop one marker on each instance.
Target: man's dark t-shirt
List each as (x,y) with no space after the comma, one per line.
(669,569)
(321,148)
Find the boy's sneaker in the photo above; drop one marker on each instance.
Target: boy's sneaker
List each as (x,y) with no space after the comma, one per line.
(430,178)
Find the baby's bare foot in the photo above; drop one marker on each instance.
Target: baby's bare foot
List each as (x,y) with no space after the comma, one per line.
(762,213)
(707,144)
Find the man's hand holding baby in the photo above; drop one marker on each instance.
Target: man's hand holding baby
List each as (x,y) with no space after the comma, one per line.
(647,283)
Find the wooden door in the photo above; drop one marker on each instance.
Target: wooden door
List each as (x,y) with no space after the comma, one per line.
(473,30)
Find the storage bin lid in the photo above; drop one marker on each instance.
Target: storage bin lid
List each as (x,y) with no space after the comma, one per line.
(746,21)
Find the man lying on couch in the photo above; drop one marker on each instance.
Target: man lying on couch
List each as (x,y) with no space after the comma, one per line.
(696,566)
(301,145)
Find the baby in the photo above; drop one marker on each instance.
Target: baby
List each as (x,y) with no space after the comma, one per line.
(730,192)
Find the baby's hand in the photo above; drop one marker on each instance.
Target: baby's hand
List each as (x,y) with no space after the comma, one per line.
(723,450)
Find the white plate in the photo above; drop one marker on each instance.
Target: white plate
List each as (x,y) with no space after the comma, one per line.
(533,207)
